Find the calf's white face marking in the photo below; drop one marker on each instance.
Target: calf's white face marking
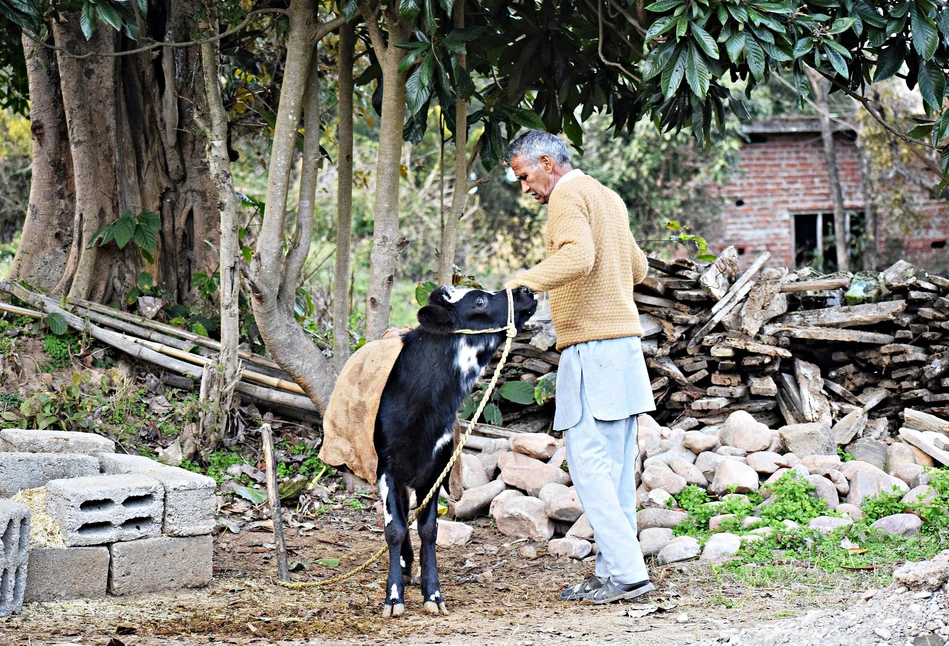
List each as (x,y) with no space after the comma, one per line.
(455,295)
(384,494)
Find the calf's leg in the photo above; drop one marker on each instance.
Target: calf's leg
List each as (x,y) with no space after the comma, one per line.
(396,532)
(428,533)
(407,556)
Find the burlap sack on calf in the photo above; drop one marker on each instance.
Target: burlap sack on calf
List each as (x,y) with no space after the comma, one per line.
(350,419)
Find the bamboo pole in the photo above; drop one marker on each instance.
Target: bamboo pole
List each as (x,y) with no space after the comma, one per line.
(273,497)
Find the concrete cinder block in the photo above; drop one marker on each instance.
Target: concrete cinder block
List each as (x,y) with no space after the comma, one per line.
(14,555)
(30,441)
(67,573)
(19,471)
(155,564)
(103,509)
(190,502)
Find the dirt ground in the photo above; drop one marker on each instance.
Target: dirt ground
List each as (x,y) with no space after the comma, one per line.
(495,595)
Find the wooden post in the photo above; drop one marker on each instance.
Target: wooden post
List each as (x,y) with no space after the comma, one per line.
(273,496)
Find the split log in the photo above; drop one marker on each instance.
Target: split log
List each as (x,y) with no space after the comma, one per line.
(828,334)
(846,316)
(822,284)
(920,421)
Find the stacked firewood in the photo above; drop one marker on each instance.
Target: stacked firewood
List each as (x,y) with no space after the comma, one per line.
(784,346)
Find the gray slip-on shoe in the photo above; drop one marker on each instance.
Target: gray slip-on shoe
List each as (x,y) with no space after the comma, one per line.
(574,592)
(611,592)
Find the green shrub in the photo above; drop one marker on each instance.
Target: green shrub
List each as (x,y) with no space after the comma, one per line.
(885,503)
(792,499)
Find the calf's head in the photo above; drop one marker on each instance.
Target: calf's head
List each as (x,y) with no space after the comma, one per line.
(450,309)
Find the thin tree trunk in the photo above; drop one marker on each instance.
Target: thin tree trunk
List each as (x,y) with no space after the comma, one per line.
(47,231)
(459,197)
(387,244)
(344,211)
(217,393)
(285,339)
(841,235)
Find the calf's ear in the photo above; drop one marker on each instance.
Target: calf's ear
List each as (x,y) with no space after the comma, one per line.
(436,319)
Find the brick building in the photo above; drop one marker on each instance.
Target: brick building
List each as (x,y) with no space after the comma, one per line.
(779,201)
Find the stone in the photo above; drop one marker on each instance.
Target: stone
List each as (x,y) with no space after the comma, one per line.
(14,555)
(657,498)
(827,524)
(474,502)
(899,524)
(750,521)
(923,459)
(156,564)
(922,495)
(653,539)
(850,511)
(731,451)
(501,498)
(18,440)
(646,421)
(849,469)
(825,490)
(354,483)
(707,462)
(765,461)
(559,457)
(731,474)
(660,476)
(570,547)
(524,517)
(581,528)
(849,426)
(742,431)
(690,472)
(56,574)
(792,460)
(899,454)
(453,534)
(562,502)
(472,472)
(908,473)
(867,483)
(96,510)
(536,445)
(647,518)
(678,549)
(667,457)
(489,462)
(812,438)
(867,450)
(924,575)
(19,471)
(821,464)
(529,474)
(699,442)
(715,522)
(721,547)
(840,482)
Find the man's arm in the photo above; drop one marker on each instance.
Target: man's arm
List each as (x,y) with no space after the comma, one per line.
(573,255)
(640,264)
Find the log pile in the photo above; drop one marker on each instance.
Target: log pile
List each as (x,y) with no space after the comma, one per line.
(783,346)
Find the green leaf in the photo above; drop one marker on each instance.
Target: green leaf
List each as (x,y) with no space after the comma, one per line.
(932,84)
(925,34)
(841,25)
(492,415)
(705,41)
(837,61)
(330,563)
(145,237)
(921,131)
(109,15)
(661,26)
(672,75)
(198,328)
(707,257)
(889,61)
(409,9)
(545,388)
(527,119)
(57,323)
(664,5)
(104,235)
(145,281)
(755,56)
(247,253)
(123,230)
(803,46)
(941,129)
(735,45)
(423,291)
(696,72)
(416,94)
(682,24)
(87,20)
(519,392)
(254,495)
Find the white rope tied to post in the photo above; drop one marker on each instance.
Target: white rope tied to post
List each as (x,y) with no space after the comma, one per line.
(510,331)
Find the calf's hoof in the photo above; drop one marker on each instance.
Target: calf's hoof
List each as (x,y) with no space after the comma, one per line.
(395,610)
(433,608)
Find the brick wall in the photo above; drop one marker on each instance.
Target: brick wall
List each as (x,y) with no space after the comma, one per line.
(786,174)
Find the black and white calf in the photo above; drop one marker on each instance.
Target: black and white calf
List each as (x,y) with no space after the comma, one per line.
(435,370)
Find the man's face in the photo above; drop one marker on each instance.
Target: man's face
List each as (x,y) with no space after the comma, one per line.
(535,180)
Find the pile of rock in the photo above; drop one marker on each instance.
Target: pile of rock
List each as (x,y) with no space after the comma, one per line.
(111,522)
(524,486)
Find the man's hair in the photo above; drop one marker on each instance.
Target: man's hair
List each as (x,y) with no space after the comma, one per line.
(534,143)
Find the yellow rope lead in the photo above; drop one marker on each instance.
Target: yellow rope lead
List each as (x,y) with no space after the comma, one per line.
(510,331)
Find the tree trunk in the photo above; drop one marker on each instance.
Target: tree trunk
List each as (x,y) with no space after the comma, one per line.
(273,305)
(344,210)
(135,149)
(387,245)
(871,254)
(841,235)
(459,197)
(217,384)
(47,231)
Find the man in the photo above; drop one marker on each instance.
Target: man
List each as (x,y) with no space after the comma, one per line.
(591,266)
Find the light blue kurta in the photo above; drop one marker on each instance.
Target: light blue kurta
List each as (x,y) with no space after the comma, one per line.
(601,387)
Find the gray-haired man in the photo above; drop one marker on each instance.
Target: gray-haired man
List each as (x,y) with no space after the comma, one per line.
(591,266)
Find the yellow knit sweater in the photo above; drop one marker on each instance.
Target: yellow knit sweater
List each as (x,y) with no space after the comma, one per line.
(592,264)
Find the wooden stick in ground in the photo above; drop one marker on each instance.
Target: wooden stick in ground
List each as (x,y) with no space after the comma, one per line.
(273,496)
